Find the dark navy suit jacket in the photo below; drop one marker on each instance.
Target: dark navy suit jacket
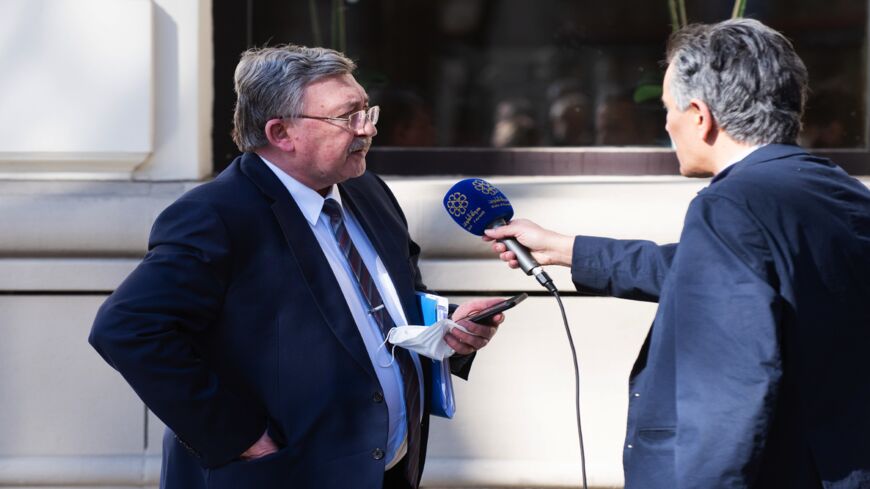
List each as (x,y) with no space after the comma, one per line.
(234,323)
(755,373)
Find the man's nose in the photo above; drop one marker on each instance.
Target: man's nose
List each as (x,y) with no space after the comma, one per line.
(368,129)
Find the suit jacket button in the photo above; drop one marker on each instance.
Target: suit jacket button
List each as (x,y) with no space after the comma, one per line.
(378,397)
(377,454)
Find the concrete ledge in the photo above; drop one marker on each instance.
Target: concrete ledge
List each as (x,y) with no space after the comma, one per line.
(39,275)
(93,471)
(461,473)
(52,229)
(144,471)
(64,274)
(63,219)
(113,219)
(71,166)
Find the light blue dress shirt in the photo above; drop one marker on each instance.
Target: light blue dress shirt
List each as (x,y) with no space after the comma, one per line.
(310,202)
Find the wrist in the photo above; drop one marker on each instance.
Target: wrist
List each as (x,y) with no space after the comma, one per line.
(565,250)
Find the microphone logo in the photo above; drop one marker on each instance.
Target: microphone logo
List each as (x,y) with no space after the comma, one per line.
(475,204)
(457,204)
(484,187)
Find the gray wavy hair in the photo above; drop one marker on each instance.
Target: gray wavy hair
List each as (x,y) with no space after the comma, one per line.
(748,75)
(270,82)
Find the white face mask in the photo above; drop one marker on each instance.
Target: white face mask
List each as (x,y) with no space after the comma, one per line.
(425,340)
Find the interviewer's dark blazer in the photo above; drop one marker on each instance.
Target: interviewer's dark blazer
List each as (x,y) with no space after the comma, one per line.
(234,323)
(755,372)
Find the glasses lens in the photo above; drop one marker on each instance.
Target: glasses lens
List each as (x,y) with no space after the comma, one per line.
(357,120)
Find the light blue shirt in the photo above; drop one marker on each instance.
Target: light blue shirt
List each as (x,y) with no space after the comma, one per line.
(310,202)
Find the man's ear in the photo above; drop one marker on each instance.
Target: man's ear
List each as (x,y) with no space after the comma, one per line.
(280,134)
(702,119)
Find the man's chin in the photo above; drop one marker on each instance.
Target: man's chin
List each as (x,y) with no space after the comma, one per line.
(357,159)
(359,154)
(694,171)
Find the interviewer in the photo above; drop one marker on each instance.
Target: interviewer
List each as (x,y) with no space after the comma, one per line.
(754,373)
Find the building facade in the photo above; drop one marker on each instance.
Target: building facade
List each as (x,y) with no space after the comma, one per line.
(106,116)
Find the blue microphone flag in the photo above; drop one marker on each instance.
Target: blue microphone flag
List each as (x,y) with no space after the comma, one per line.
(474,204)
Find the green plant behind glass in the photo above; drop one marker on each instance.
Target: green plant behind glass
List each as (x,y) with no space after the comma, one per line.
(677,10)
(338,28)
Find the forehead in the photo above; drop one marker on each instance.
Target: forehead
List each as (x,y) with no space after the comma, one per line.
(666,83)
(335,92)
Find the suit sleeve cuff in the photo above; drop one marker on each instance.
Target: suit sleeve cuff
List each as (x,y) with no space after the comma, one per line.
(460,365)
(588,272)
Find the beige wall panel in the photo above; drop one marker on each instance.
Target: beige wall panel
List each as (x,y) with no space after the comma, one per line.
(515,421)
(81,71)
(57,395)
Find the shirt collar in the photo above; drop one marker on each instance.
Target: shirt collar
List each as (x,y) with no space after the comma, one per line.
(742,155)
(310,202)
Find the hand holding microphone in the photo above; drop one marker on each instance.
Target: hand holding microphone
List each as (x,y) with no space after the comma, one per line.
(477,206)
(547,247)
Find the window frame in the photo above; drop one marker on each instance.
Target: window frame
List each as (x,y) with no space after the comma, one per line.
(230,40)
(399,161)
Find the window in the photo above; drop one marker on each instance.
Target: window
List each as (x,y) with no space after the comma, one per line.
(517,86)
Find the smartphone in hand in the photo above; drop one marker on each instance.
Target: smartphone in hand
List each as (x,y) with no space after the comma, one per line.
(495,309)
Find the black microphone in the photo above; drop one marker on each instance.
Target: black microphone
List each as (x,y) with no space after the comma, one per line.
(477,205)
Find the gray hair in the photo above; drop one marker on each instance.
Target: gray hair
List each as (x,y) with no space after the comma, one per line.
(748,75)
(270,82)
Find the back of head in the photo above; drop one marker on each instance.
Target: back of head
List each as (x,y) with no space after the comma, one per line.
(748,75)
(270,82)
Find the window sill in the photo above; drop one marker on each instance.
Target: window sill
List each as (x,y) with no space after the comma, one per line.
(556,161)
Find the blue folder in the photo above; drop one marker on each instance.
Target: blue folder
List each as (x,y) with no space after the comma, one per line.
(434,309)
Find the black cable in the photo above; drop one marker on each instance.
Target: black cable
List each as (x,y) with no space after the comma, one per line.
(576,384)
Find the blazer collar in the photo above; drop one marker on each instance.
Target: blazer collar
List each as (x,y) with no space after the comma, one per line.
(763,154)
(252,165)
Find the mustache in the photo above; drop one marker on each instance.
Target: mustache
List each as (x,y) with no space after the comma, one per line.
(360,144)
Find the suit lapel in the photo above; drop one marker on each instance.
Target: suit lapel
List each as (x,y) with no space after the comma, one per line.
(369,215)
(303,246)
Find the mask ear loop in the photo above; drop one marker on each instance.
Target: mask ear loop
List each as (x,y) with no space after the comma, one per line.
(392,352)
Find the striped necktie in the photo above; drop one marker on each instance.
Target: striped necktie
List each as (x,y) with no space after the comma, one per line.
(369,290)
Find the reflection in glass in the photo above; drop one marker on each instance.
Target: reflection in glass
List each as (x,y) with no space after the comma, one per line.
(520,73)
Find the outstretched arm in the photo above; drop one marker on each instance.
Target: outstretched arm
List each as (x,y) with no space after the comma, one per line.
(630,269)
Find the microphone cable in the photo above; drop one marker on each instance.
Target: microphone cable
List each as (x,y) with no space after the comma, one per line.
(576,384)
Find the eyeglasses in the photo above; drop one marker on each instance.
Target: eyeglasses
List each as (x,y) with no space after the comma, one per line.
(355,122)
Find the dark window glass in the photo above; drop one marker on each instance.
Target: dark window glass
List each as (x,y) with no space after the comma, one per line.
(537,73)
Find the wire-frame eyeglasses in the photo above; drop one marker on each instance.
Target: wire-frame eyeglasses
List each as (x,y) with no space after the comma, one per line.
(355,121)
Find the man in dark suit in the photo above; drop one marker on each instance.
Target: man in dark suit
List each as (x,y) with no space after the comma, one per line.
(754,372)
(254,327)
